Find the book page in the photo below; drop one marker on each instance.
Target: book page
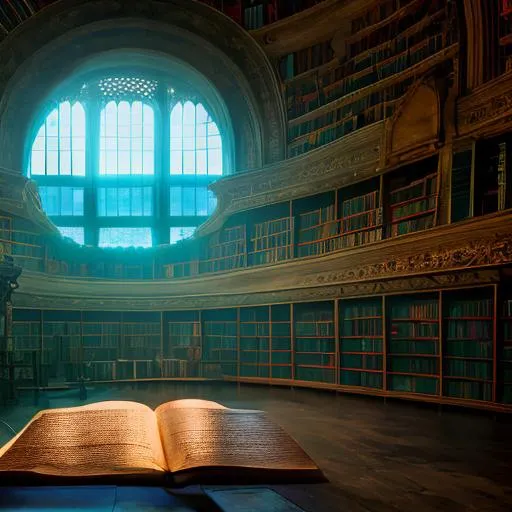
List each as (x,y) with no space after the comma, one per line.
(99,439)
(204,437)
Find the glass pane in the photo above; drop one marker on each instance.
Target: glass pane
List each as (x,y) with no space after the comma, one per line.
(52,163)
(66,201)
(201,162)
(124,162)
(177,234)
(136,201)
(65,119)
(189,162)
(65,162)
(176,162)
(177,121)
(201,115)
(78,121)
(149,162)
(125,237)
(112,210)
(75,233)
(189,201)
(176,209)
(201,201)
(78,162)
(215,161)
(52,124)
(148,201)
(38,163)
(78,201)
(123,198)
(102,203)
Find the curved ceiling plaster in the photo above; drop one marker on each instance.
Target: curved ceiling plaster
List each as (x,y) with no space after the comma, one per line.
(49,47)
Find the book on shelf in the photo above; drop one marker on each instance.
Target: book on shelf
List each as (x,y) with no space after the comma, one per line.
(127,442)
(414,206)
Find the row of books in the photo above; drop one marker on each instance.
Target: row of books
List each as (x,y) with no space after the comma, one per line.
(419,347)
(413,365)
(308,373)
(470,369)
(182,330)
(412,384)
(361,379)
(468,349)
(254,329)
(417,189)
(465,308)
(364,361)
(269,256)
(315,345)
(470,330)
(468,390)
(362,327)
(363,309)
(323,129)
(414,330)
(319,328)
(300,104)
(361,345)
(416,310)
(319,217)
(413,207)
(413,225)
(254,344)
(326,360)
(221,264)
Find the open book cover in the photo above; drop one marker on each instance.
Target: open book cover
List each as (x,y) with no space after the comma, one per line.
(180,443)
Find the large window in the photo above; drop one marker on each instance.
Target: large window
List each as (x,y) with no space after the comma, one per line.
(127,163)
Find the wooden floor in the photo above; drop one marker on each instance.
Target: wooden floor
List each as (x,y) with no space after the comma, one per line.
(382,457)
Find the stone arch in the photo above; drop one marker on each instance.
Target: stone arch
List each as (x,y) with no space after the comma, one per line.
(49,47)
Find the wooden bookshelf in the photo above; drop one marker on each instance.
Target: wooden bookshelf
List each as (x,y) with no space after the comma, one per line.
(255,342)
(220,343)
(181,351)
(462,185)
(334,98)
(226,250)
(413,207)
(468,355)
(361,343)
(24,246)
(506,353)
(271,241)
(314,342)
(281,343)
(413,344)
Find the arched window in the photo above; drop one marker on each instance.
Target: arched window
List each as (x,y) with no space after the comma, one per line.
(196,144)
(59,146)
(107,176)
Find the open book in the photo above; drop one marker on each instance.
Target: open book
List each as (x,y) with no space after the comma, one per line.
(181,442)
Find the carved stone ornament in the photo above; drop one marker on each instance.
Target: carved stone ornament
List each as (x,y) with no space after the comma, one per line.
(456,279)
(480,111)
(477,253)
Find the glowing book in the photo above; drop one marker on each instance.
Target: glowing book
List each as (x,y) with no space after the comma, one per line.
(181,442)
